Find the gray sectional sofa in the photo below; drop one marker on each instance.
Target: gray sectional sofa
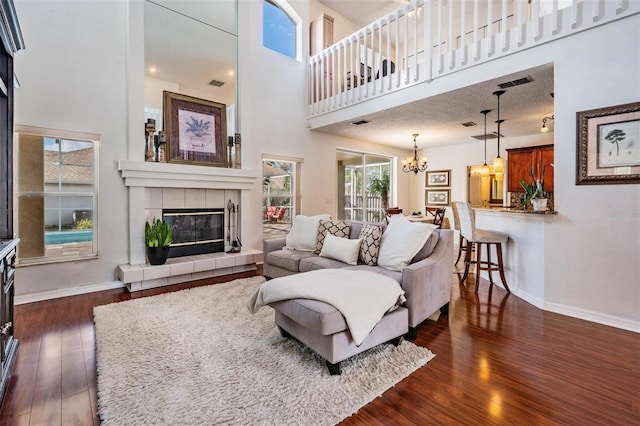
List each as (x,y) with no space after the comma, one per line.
(426,280)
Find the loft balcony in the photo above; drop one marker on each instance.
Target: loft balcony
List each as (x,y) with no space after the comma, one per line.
(389,55)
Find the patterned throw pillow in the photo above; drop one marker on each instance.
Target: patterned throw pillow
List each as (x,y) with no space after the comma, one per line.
(338,228)
(371,235)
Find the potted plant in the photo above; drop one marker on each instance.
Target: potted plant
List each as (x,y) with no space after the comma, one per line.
(157,237)
(380,186)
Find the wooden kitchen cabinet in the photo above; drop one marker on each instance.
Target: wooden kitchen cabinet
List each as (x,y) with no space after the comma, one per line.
(521,160)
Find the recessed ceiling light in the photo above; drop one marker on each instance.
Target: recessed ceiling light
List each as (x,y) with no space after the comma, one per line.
(231,73)
(152,69)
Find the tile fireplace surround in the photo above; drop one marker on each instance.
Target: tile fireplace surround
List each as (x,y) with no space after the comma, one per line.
(156,186)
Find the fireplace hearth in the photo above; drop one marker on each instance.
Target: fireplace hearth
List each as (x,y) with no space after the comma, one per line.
(195,231)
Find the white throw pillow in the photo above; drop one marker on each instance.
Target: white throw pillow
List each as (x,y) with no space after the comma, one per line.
(401,241)
(304,232)
(343,249)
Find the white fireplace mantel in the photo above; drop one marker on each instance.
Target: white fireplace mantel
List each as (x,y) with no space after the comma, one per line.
(148,174)
(140,175)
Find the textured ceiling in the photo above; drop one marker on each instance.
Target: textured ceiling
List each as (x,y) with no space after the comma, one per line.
(439,119)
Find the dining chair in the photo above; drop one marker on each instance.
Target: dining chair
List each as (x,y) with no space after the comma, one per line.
(390,212)
(480,238)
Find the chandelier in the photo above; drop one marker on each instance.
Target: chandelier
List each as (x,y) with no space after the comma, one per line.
(414,164)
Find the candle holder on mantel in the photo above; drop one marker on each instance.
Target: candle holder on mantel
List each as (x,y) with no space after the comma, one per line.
(149,130)
(230,152)
(237,157)
(160,143)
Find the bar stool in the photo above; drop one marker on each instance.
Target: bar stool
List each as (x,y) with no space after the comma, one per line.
(462,243)
(480,237)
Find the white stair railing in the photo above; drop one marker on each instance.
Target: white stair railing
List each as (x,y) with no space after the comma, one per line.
(390,55)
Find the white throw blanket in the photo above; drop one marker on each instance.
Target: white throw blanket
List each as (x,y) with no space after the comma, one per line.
(362,297)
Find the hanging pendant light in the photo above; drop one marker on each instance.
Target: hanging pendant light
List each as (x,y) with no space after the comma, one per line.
(414,164)
(498,162)
(484,170)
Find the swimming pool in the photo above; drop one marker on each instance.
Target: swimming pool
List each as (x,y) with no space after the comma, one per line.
(61,237)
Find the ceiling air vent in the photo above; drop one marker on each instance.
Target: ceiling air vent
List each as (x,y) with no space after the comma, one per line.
(216,83)
(469,124)
(516,82)
(359,123)
(489,136)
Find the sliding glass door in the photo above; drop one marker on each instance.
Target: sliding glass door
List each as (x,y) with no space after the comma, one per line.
(357,197)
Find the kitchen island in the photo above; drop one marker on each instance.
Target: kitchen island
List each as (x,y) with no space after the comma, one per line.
(525,253)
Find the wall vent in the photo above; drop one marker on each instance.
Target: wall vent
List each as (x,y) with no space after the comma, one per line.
(216,83)
(516,82)
(360,122)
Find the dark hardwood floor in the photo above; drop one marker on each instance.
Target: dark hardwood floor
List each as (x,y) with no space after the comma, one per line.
(499,360)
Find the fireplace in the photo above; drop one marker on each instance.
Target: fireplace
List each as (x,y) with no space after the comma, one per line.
(195,231)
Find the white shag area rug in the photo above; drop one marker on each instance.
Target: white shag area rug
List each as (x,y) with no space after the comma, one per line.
(197,357)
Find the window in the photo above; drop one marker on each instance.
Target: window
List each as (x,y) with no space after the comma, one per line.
(356,198)
(281,28)
(56,195)
(280,195)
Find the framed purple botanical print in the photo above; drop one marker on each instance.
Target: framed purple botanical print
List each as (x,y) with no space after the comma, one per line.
(196,130)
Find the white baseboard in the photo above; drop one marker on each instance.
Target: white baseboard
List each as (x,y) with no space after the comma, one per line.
(65,292)
(583,314)
(596,317)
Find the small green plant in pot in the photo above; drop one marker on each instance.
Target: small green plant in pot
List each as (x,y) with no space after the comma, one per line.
(534,193)
(157,237)
(531,193)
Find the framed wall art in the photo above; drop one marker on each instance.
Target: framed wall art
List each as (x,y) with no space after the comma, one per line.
(437,197)
(438,178)
(608,145)
(196,130)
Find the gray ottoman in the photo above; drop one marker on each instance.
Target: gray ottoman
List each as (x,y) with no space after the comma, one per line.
(323,328)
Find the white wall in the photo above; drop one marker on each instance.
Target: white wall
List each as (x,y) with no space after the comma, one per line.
(273,108)
(73,77)
(593,266)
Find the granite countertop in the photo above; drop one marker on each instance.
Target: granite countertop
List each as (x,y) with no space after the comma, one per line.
(519,211)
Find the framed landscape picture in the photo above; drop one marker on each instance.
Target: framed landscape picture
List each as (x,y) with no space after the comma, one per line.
(438,178)
(196,130)
(437,197)
(608,145)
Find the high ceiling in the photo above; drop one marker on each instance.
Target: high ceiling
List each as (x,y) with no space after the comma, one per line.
(192,52)
(363,12)
(192,42)
(439,119)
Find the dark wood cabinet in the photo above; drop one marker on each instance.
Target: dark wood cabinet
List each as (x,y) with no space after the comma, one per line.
(10,42)
(521,160)
(8,343)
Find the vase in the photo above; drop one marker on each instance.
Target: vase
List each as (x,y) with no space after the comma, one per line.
(158,255)
(539,204)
